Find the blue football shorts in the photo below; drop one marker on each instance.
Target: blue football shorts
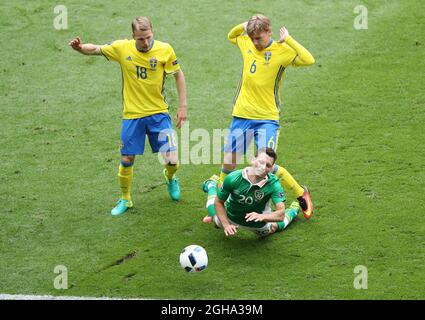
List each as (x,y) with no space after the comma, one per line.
(157,127)
(242,131)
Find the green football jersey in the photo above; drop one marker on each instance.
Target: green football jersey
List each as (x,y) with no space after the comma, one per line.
(243,197)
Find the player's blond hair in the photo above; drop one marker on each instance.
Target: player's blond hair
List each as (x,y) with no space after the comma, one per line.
(141,24)
(258,23)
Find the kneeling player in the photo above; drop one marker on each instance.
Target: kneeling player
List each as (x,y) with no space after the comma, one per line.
(243,198)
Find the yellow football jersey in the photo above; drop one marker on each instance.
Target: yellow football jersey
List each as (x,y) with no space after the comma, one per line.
(143,75)
(257,96)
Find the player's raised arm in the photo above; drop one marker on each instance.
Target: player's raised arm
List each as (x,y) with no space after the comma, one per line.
(86,48)
(236,32)
(181,115)
(304,57)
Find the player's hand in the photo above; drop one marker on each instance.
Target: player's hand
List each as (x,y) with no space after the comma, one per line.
(283,34)
(181,117)
(254,216)
(76,44)
(230,230)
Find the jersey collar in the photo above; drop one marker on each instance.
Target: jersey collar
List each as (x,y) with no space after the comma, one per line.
(259,184)
(268,46)
(153,41)
(270,43)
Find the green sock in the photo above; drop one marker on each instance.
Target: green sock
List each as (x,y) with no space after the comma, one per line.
(290,215)
(212,193)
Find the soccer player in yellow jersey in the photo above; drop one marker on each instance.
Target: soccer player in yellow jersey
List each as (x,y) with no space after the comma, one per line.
(257,102)
(144,64)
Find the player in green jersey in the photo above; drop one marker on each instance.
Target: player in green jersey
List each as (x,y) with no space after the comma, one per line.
(243,198)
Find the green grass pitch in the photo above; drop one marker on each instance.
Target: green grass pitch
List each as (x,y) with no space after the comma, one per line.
(352,130)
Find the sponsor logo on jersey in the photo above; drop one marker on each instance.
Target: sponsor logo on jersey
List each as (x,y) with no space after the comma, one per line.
(281,194)
(175,62)
(129,58)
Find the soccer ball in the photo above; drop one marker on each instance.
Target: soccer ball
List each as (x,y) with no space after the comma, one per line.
(193,258)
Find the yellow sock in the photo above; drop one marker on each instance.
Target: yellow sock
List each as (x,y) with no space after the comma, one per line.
(223,175)
(125,175)
(170,170)
(289,182)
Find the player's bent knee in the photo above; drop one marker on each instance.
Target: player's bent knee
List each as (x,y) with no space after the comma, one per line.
(267,230)
(230,161)
(127,161)
(229,166)
(273,228)
(217,222)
